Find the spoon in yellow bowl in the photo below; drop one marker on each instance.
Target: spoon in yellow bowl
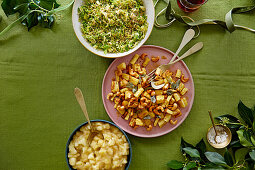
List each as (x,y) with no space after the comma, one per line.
(80,99)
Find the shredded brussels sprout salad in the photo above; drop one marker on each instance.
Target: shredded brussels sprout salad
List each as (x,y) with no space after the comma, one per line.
(113,25)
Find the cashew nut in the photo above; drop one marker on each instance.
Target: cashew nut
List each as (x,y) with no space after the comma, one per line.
(120,107)
(174,107)
(154,59)
(133,102)
(143,55)
(151,108)
(160,108)
(109,95)
(184,80)
(173,122)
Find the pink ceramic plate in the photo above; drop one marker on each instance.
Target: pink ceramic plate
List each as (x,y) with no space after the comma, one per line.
(151,51)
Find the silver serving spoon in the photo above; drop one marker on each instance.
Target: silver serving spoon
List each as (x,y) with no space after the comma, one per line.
(198,46)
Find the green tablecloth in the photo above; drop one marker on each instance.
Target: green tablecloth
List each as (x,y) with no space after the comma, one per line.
(40,69)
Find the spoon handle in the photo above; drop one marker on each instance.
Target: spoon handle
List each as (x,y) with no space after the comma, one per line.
(80,99)
(198,46)
(189,34)
(210,113)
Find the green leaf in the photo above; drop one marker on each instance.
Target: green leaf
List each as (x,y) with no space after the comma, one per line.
(252,155)
(253,127)
(212,166)
(22,8)
(242,139)
(191,165)
(59,8)
(9,5)
(235,144)
(13,24)
(201,146)
(31,20)
(192,152)
(228,158)
(252,140)
(174,164)
(240,154)
(185,144)
(46,22)
(250,165)
(32,12)
(47,4)
(215,158)
(229,120)
(247,136)
(168,13)
(245,113)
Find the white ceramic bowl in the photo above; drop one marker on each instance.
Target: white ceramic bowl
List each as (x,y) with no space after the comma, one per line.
(77,29)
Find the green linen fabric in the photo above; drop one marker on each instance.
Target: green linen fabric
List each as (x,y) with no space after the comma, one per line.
(40,69)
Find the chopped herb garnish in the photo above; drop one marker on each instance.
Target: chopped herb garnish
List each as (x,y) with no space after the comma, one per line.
(147,117)
(157,116)
(140,77)
(176,84)
(138,111)
(148,88)
(169,79)
(169,92)
(132,87)
(153,99)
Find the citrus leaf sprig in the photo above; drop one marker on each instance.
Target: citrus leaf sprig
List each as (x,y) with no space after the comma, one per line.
(240,153)
(32,12)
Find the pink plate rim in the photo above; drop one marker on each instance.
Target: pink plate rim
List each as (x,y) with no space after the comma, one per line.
(160,133)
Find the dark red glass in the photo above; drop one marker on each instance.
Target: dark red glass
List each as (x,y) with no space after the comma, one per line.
(190,5)
(196,1)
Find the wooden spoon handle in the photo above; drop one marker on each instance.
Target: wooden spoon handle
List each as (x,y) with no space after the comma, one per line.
(189,34)
(210,113)
(80,99)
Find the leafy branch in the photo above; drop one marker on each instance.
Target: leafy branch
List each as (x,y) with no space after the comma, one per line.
(32,12)
(240,153)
